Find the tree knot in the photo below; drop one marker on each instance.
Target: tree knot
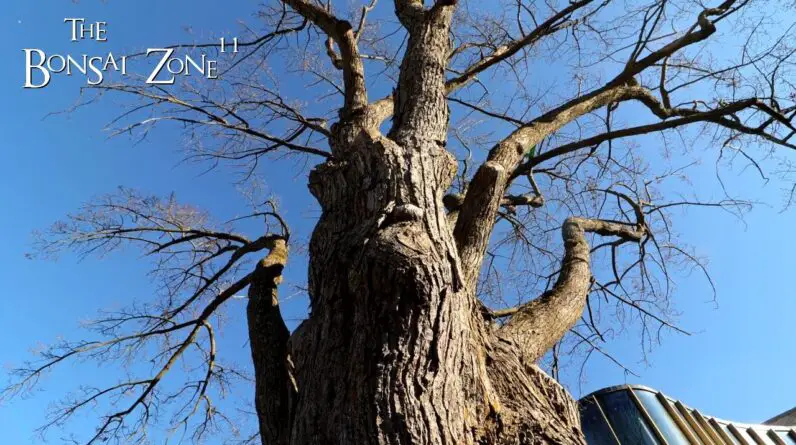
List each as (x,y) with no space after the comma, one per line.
(403,213)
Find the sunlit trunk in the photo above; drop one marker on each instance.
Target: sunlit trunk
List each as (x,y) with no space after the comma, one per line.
(395,350)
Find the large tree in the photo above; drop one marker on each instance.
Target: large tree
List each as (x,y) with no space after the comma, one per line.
(468,155)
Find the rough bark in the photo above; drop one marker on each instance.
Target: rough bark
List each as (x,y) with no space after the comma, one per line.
(385,356)
(396,349)
(268,337)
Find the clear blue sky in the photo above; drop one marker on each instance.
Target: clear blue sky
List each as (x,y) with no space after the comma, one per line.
(739,364)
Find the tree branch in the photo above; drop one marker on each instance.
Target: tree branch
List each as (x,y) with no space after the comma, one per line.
(268,337)
(477,216)
(189,254)
(556,22)
(420,99)
(409,11)
(478,212)
(538,325)
(342,33)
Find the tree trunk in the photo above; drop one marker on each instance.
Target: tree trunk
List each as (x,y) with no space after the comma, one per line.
(396,349)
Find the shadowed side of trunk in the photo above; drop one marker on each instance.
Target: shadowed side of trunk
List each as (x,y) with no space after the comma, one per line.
(268,338)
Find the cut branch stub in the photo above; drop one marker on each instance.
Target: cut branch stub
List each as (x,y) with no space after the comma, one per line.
(539,324)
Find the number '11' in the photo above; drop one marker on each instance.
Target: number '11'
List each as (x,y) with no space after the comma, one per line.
(234,45)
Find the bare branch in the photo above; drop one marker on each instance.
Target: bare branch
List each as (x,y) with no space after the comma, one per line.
(538,325)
